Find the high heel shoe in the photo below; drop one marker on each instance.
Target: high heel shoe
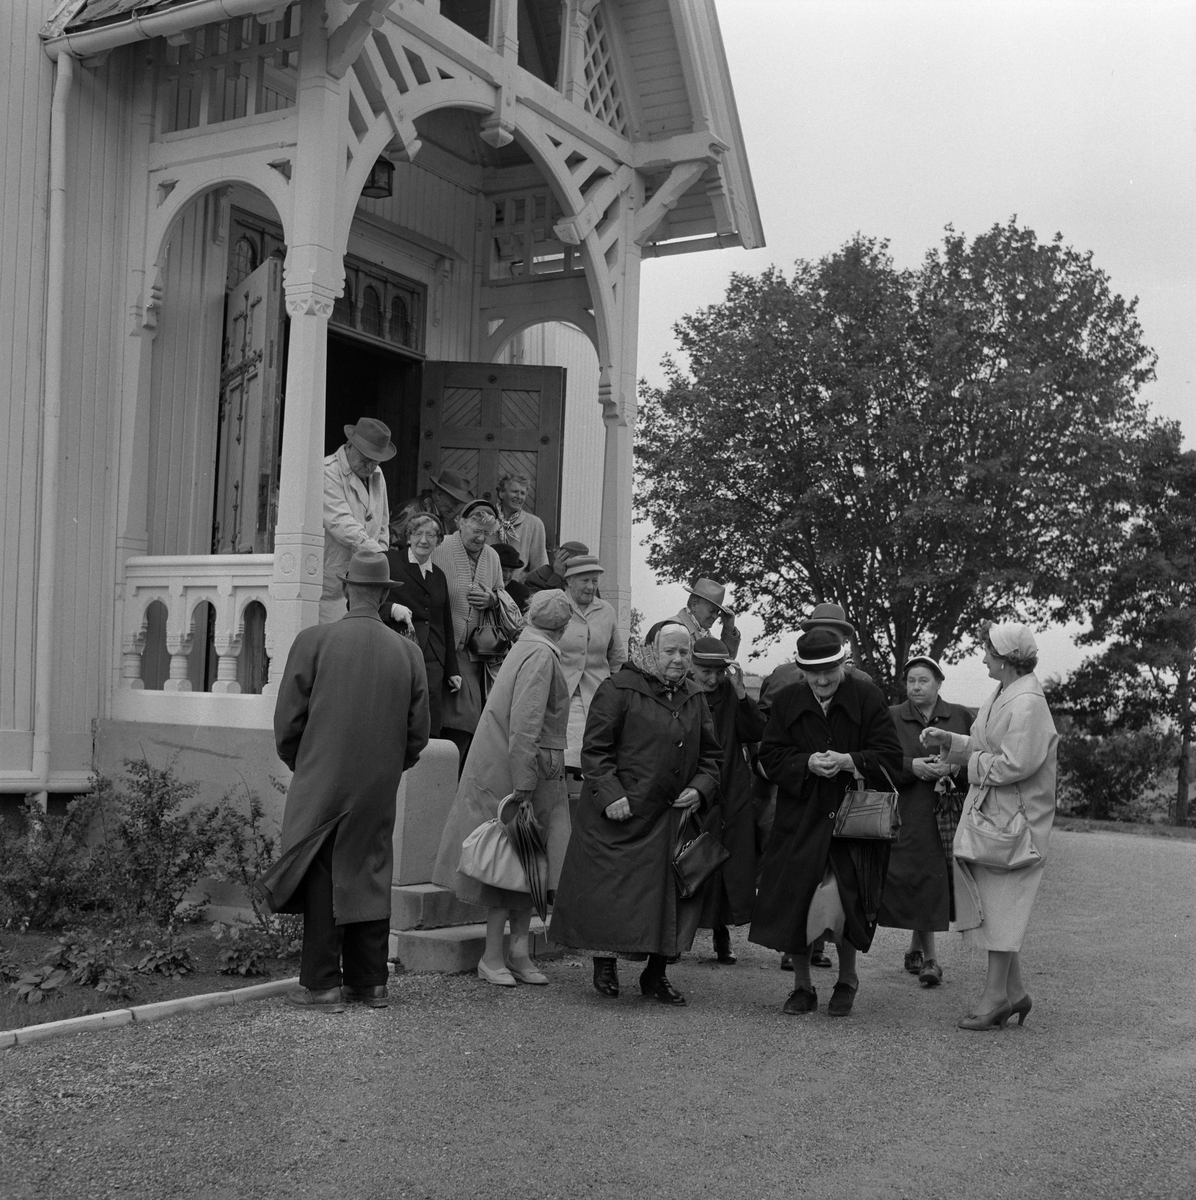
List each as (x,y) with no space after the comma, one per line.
(1021,1008)
(989,1020)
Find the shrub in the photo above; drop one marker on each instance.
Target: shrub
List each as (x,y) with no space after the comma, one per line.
(1110,777)
(242,957)
(42,983)
(171,962)
(48,871)
(156,850)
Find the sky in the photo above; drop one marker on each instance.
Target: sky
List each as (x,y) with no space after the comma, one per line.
(893,118)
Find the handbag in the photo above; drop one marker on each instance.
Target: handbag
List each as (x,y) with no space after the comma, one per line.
(1009,847)
(487,639)
(696,858)
(868,815)
(489,856)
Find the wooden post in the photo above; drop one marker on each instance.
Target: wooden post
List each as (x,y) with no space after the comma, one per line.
(314,278)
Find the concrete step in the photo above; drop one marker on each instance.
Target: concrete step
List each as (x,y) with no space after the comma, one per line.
(455,949)
(429,906)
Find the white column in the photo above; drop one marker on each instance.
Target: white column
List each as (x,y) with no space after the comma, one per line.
(314,278)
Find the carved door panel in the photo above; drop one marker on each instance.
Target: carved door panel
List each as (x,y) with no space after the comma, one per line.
(250,415)
(485,421)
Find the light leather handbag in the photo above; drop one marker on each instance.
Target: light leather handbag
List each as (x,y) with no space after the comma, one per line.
(867,815)
(980,840)
(489,856)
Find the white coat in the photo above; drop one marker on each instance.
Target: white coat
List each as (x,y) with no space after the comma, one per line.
(1010,755)
(356,517)
(592,650)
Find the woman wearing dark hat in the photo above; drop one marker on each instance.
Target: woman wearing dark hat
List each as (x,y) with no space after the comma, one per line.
(917,893)
(474,576)
(650,755)
(508,556)
(821,732)
(517,750)
(731,892)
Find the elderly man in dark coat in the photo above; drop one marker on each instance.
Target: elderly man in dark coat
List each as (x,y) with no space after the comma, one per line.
(351,717)
(731,891)
(822,731)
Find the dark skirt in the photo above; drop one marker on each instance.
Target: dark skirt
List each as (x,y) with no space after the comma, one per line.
(917,891)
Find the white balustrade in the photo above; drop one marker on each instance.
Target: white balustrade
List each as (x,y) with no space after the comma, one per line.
(181,583)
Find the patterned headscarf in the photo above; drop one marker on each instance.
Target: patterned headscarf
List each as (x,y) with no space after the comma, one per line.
(644,656)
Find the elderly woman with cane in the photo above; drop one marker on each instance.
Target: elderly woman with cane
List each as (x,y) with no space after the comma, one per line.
(821,732)
(649,758)
(1010,755)
(517,750)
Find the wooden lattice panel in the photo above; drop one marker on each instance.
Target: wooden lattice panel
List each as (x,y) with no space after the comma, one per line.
(602,84)
(462,406)
(520,409)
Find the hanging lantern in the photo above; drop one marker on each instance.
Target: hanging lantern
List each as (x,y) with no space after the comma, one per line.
(379,185)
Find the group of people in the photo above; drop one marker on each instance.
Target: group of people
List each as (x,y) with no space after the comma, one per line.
(613,756)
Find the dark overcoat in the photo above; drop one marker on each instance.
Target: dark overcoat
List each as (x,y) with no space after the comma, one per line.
(918,884)
(427,598)
(351,717)
(646,742)
(857,722)
(731,893)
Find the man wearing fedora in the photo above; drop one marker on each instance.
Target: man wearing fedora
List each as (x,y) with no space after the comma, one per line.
(705,603)
(552,576)
(445,499)
(356,514)
(351,717)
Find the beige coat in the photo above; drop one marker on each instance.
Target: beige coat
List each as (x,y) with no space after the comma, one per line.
(355,518)
(517,747)
(592,650)
(1010,755)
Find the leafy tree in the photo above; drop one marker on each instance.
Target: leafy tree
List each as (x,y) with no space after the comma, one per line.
(927,448)
(1147,607)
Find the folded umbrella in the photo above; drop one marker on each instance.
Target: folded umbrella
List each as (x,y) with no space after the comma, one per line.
(528,840)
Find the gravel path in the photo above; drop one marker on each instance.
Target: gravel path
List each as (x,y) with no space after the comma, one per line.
(464,1090)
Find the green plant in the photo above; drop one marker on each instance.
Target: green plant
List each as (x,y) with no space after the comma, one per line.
(90,964)
(9,971)
(249,851)
(41,983)
(173,962)
(156,849)
(48,871)
(243,955)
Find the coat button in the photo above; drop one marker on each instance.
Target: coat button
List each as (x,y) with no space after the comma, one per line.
(681,745)
(830,814)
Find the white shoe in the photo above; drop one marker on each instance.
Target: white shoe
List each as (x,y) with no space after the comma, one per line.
(503,977)
(531,975)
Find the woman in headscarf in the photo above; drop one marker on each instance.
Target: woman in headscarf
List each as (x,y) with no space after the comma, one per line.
(917,893)
(649,758)
(1010,755)
(517,750)
(731,892)
(822,732)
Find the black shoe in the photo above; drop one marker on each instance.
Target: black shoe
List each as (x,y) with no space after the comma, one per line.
(660,989)
(842,999)
(371,997)
(328,1000)
(801,1001)
(722,947)
(931,974)
(786,962)
(606,977)
(819,959)
(913,961)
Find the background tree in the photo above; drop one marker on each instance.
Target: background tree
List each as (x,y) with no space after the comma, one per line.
(1146,603)
(927,448)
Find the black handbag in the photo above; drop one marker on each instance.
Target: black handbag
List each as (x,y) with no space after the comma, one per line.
(697,856)
(868,815)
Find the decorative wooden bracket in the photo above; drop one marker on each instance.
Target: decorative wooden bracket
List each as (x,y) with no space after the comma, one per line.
(346,41)
(498,129)
(681,178)
(574,230)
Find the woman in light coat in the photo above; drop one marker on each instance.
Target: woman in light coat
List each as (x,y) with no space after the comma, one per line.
(517,750)
(1010,755)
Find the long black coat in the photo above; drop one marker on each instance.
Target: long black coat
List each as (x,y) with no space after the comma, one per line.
(857,722)
(731,893)
(351,717)
(617,891)
(433,620)
(918,884)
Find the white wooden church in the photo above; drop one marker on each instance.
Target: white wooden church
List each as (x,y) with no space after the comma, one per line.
(230,227)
